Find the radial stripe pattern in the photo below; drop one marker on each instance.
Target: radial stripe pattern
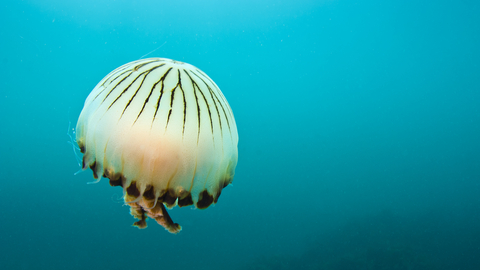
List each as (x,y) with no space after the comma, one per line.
(162,130)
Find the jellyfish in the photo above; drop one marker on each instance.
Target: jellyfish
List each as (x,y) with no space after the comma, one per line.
(164,132)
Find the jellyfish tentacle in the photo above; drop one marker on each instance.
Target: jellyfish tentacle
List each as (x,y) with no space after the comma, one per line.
(134,201)
(94,182)
(73,142)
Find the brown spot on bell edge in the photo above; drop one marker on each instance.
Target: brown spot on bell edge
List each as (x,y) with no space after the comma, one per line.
(185,201)
(116,179)
(149,193)
(205,200)
(94,169)
(132,190)
(169,199)
(117,182)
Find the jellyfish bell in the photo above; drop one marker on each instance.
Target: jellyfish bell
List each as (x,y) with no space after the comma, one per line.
(164,132)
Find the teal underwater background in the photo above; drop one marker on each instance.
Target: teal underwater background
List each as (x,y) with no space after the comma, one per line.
(358,122)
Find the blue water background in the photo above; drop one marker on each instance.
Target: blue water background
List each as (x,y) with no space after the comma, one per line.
(359,126)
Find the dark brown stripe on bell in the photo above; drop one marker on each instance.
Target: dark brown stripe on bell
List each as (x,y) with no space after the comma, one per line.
(204,200)
(169,199)
(149,193)
(132,190)
(82,149)
(93,166)
(185,201)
